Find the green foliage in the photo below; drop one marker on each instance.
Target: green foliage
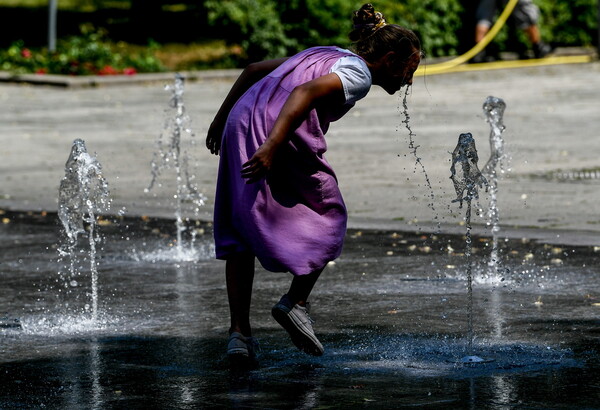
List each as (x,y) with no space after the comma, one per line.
(435,22)
(317,22)
(569,23)
(286,26)
(252,30)
(254,24)
(325,22)
(273,28)
(86,54)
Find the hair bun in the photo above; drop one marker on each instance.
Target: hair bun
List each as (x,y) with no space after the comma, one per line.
(366,22)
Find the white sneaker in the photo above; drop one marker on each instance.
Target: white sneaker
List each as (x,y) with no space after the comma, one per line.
(296,321)
(241,348)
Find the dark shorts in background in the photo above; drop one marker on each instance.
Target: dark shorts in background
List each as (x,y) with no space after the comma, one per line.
(525,14)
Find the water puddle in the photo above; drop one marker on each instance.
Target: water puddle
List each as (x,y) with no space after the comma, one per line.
(389,321)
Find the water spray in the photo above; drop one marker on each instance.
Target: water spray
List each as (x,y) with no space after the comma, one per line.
(83,194)
(170,156)
(467,178)
(418,160)
(493,109)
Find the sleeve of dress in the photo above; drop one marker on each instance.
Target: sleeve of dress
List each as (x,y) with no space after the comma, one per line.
(355,76)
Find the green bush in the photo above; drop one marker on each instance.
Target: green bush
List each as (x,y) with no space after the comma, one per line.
(274,28)
(569,23)
(260,29)
(86,54)
(254,24)
(436,22)
(317,22)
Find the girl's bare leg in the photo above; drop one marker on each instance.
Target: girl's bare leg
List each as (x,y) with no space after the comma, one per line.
(239,272)
(302,286)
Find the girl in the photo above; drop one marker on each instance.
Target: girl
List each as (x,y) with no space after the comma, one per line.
(277,197)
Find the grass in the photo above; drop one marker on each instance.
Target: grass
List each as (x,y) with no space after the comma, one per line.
(210,54)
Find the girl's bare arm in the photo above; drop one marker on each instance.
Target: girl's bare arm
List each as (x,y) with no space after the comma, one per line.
(251,74)
(327,89)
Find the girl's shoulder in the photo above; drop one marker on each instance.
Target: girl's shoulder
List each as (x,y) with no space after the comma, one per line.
(354,74)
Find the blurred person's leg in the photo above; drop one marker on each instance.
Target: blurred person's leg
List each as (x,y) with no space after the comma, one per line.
(484,17)
(526,16)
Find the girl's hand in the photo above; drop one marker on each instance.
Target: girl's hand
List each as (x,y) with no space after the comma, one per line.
(325,89)
(213,139)
(260,163)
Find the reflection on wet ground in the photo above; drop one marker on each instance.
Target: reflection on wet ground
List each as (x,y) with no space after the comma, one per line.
(391,314)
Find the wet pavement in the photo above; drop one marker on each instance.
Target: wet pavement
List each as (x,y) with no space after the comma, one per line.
(391,311)
(551,134)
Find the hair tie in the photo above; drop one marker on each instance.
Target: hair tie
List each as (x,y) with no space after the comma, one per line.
(379,25)
(381,21)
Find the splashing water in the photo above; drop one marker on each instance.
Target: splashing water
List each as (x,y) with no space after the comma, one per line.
(464,172)
(418,162)
(466,177)
(83,194)
(493,109)
(169,156)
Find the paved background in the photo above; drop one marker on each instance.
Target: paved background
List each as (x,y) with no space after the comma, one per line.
(551,120)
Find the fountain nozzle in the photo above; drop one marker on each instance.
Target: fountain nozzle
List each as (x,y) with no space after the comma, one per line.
(10,323)
(474,360)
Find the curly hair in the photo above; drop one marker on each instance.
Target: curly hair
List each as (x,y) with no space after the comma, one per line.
(373,37)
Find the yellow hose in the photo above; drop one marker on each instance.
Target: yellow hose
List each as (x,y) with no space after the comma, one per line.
(498,65)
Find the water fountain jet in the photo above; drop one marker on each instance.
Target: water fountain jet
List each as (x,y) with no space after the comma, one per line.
(83,194)
(172,157)
(493,109)
(467,178)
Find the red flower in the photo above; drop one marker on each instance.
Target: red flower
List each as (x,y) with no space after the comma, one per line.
(129,71)
(107,70)
(26,53)
(41,71)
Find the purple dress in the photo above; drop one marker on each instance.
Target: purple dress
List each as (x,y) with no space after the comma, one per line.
(294,219)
